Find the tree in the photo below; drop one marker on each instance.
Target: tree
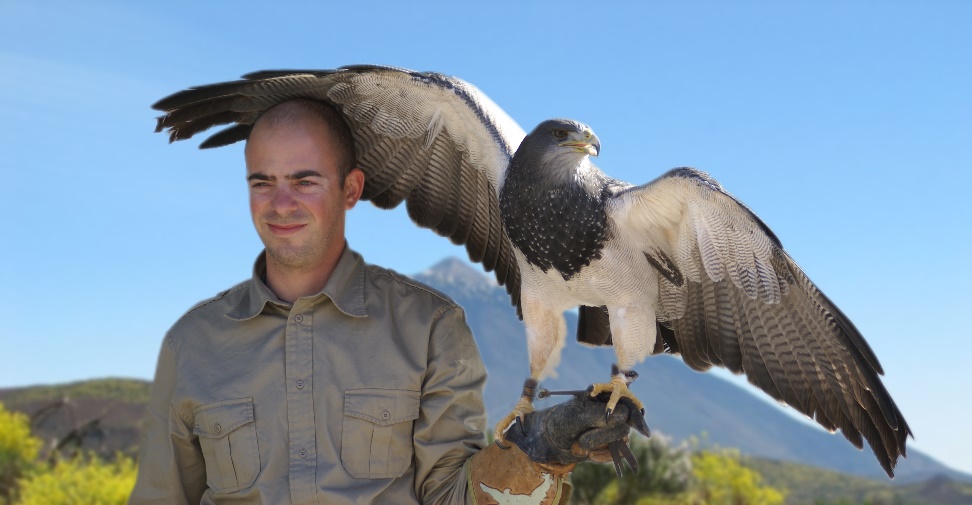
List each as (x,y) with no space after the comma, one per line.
(18,451)
(723,480)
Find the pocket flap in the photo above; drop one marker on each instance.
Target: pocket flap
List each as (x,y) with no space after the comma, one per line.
(382,406)
(216,420)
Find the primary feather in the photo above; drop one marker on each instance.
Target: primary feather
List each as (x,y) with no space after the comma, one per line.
(676,265)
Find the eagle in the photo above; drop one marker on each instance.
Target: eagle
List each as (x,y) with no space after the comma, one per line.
(677,265)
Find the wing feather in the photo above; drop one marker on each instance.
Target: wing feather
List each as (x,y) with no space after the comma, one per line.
(409,165)
(747,306)
(433,141)
(227,136)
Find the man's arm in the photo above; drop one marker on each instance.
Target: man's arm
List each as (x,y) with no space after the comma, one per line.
(171,469)
(452,419)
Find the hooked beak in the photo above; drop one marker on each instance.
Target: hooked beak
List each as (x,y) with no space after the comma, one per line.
(590,144)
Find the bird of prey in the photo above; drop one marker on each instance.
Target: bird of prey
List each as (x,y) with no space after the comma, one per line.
(676,265)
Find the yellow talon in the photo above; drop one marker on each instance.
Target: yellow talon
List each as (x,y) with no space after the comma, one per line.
(618,388)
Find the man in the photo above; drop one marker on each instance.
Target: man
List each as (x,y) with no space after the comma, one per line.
(326,380)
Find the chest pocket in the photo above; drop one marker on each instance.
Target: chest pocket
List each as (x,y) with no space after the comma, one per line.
(228,438)
(376,439)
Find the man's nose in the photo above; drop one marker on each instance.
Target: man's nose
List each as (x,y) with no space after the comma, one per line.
(283,199)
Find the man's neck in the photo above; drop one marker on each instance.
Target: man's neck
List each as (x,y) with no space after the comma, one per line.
(289,284)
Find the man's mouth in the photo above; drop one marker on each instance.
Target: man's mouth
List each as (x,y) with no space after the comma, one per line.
(281,230)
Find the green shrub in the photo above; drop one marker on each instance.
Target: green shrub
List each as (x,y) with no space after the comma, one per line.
(80,481)
(18,451)
(722,479)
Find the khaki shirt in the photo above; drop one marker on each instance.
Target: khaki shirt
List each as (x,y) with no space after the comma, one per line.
(367,392)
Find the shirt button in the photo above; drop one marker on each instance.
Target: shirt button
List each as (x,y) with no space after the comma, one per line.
(385,415)
(302,453)
(217,428)
(298,318)
(300,384)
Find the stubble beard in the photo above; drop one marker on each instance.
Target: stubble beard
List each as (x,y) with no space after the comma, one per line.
(298,256)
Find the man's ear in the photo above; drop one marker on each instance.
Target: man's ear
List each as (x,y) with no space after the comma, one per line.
(353,186)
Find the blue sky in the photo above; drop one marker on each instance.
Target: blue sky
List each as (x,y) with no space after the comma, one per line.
(847,126)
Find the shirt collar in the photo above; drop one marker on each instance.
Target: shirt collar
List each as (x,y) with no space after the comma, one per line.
(345,288)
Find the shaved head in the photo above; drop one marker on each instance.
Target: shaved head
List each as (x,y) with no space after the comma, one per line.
(302,109)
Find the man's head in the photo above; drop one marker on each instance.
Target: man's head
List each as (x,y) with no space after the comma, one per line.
(300,109)
(299,166)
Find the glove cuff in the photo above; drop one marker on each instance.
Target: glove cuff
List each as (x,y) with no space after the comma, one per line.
(495,474)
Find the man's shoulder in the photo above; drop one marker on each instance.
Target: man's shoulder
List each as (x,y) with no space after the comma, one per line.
(216,306)
(400,284)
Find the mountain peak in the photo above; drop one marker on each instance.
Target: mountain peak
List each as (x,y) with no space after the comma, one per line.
(455,272)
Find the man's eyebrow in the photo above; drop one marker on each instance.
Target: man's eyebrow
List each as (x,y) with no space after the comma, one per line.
(302,174)
(259,176)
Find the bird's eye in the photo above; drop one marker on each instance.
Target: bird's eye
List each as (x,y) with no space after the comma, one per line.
(560,133)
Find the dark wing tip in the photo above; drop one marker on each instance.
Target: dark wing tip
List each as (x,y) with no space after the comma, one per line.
(175,100)
(227,136)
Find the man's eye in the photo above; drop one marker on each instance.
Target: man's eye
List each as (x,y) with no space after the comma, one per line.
(305,183)
(259,185)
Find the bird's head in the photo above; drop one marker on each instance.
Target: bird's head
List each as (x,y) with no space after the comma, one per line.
(556,150)
(565,136)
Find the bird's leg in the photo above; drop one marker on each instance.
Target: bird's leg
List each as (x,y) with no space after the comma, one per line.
(545,331)
(523,407)
(618,387)
(632,332)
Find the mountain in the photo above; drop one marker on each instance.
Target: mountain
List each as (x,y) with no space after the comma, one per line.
(679,401)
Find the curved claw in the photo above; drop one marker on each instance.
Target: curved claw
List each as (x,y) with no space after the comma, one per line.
(618,388)
(515,417)
(619,393)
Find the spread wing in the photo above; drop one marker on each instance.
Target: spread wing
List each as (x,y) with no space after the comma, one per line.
(729,295)
(433,141)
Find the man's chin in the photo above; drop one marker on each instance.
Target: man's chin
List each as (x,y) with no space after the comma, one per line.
(289,257)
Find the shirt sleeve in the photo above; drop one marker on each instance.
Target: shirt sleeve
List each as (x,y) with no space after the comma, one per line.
(171,469)
(452,418)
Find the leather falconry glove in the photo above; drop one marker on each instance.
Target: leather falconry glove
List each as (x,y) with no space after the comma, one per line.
(577,430)
(543,447)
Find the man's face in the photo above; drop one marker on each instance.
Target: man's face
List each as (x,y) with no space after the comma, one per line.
(296,199)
